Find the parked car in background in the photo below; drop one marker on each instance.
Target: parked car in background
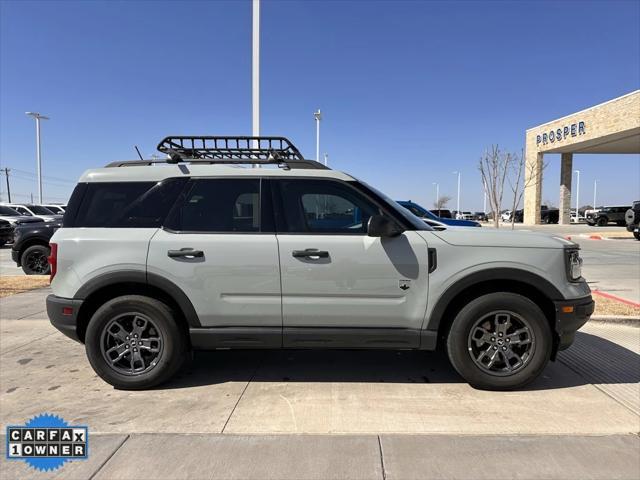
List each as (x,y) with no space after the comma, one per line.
(632,217)
(6,232)
(14,217)
(57,209)
(464,216)
(36,211)
(31,249)
(605,215)
(425,214)
(506,216)
(442,213)
(547,215)
(480,217)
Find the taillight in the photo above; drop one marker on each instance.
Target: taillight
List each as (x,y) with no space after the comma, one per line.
(53,260)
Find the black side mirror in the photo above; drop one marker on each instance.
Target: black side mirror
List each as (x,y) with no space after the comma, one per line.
(381,226)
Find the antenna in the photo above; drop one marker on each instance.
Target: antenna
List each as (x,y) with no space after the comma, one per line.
(138,150)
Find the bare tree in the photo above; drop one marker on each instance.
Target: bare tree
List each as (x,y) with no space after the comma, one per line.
(441,202)
(494,166)
(519,182)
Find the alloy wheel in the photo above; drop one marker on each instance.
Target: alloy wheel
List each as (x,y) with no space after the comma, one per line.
(501,343)
(131,344)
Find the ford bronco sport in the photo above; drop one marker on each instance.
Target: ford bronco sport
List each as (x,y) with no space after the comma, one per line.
(156,258)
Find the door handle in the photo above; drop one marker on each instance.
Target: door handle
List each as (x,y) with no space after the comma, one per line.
(185,253)
(310,253)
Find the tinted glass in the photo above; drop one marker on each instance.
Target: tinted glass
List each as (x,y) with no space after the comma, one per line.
(40,210)
(219,205)
(8,211)
(127,204)
(316,206)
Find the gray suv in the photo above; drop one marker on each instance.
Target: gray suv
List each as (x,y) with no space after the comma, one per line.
(160,257)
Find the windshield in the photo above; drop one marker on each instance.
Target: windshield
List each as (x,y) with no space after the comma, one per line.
(40,210)
(8,211)
(415,222)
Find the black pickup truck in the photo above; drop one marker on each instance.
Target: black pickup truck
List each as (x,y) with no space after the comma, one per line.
(31,247)
(606,215)
(547,215)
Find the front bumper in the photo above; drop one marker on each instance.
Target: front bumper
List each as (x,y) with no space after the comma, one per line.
(570,316)
(15,256)
(63,314)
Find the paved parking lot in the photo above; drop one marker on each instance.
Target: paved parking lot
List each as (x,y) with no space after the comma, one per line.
(334,414)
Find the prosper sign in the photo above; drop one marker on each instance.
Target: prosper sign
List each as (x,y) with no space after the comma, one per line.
(560,134)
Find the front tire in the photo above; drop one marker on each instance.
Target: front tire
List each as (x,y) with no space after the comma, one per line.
(602,222)
(500,341)
(637,235)
(133,342)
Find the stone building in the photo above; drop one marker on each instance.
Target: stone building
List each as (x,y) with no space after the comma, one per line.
(610,127)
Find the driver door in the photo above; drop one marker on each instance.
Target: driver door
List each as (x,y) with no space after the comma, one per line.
(335,278)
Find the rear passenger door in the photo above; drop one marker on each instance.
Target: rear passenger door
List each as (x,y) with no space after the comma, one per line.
(219,247)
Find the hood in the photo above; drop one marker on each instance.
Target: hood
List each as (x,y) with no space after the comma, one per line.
(20,219)
(489,237)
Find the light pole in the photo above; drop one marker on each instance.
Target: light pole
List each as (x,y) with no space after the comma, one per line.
(255,73)
(577,190)
(318,116)
(595,190)
(437,202)
(458,201)
(38,117)
(326,159)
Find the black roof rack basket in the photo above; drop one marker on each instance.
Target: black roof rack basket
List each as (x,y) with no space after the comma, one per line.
(229,150)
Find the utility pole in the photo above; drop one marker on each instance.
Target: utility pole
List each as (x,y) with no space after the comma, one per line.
(318,116)
(595,189)
(6,172)
(326,159)
(255,74)
(437,202)
(458,201)
(37,118)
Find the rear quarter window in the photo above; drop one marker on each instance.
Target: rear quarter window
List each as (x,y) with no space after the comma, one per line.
(122,204)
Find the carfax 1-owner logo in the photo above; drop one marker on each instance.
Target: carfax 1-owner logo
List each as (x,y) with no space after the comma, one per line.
(46,442)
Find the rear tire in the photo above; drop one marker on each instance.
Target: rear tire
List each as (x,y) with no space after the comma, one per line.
(34,260)
(500,341)
(133,342)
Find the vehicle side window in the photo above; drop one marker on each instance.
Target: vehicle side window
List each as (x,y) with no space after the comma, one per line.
(23,211)
(219,205)
(127,204)
(324,206)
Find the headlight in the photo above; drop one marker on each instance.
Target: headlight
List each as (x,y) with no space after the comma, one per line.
(574,264)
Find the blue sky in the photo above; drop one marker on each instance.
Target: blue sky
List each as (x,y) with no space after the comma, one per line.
(410,91)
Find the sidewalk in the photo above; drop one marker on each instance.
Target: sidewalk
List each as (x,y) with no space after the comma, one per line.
(388,457)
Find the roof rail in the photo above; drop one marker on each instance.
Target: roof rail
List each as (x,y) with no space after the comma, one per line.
(229,150)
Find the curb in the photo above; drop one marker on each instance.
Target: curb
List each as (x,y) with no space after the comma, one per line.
(595,237)
(633,321)
(616,298)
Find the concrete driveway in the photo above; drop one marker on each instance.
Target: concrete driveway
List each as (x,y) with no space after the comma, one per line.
(235,401)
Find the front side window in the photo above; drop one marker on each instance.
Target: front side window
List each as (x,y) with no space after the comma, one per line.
(224,205)
(321,206)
